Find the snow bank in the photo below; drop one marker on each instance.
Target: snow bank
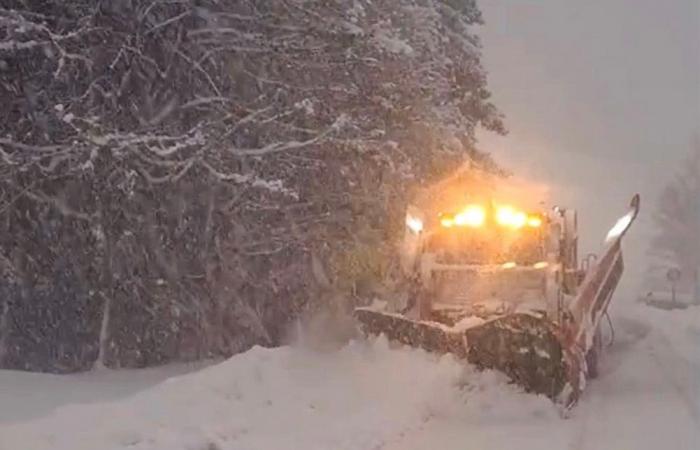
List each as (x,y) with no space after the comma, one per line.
(677,329)
(369,396)
(287,398)
(25,396)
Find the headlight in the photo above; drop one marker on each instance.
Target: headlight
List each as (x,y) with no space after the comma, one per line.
(414,224)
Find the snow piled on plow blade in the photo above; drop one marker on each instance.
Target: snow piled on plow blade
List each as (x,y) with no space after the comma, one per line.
(524,347)
(361,397)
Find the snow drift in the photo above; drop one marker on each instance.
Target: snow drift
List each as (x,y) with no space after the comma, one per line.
(369,396)
(287,398)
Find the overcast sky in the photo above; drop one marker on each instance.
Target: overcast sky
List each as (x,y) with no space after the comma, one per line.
(601,98)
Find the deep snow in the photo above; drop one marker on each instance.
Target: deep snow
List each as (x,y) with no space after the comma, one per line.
(370,396)
(24,396)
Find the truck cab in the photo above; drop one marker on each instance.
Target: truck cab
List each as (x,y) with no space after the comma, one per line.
(488,257)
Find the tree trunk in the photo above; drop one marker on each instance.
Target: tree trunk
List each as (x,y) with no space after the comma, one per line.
(4,331)
(106,244)
(104,334)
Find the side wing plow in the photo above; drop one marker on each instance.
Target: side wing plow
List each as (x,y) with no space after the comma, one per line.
(586,311)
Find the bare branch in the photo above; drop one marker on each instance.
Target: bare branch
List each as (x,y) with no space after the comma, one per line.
(277,147)
(59,204)
(167,22)
(32,148)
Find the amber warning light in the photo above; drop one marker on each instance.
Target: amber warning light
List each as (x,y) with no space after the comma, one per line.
(475,216)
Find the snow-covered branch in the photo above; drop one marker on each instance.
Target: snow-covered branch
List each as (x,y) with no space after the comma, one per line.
(275,186)
(277,147)
(147,141)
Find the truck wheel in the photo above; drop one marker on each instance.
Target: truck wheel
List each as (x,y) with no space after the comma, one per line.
(593,355)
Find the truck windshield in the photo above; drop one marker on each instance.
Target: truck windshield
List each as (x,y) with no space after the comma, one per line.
(487,246)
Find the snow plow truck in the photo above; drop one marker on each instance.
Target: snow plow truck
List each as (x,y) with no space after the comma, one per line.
(497,281)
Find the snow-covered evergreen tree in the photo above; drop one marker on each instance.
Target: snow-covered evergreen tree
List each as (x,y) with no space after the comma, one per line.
(677,219)
(168,170)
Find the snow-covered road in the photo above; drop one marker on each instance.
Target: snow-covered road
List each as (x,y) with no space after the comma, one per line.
(369,396)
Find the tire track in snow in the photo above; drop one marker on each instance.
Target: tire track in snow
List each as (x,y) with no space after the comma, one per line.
(595,403)
(641,370)
(686,398)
